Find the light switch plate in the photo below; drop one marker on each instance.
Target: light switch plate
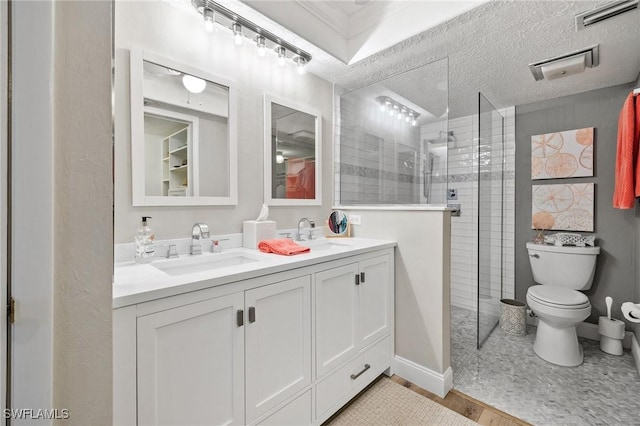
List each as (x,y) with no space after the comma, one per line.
(355,219)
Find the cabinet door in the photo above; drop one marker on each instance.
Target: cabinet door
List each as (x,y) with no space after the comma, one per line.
(191,364)
(374,299)
(278,343)
(336,307)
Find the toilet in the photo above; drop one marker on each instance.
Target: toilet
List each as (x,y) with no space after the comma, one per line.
(560,271)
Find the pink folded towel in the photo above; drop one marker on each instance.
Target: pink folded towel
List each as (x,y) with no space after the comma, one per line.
(283,246)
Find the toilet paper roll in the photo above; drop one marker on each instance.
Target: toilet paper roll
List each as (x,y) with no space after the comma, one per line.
(612,328)
(631,311)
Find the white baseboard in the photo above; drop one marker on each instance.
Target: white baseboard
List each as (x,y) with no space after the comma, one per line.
(437,383)
(635,351)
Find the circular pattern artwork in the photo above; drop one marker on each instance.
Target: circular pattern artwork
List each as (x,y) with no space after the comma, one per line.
(562,154)
(566,207)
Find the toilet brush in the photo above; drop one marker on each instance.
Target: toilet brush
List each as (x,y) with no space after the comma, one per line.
(611,331)
(609,301)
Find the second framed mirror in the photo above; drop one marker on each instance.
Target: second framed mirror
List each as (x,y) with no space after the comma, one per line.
(292,152)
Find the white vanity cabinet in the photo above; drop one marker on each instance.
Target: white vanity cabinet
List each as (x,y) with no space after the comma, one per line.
(190,359)
(278,344)
(284,348)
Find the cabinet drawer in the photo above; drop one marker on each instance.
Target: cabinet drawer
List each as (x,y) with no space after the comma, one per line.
(347,381)
(295,413)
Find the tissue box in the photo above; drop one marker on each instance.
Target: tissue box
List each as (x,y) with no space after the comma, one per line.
(253,232)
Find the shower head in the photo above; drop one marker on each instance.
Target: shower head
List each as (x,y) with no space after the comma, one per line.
(450,135)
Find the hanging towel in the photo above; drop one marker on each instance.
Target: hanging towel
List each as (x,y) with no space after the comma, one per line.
(283,246)
(627,185)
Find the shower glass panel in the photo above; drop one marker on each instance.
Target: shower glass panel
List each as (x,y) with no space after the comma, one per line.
(391,139)
(490,157)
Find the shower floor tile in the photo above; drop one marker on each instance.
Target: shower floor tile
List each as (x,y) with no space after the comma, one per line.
(507,374)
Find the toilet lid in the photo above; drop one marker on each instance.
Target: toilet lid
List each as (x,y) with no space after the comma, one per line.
(558,295)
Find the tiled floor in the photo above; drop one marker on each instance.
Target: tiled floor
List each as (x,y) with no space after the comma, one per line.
(506,373)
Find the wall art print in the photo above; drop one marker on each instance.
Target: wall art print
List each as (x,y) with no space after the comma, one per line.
(567,207)
(562,154)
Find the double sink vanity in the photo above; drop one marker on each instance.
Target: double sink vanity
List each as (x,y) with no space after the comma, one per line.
(244,337)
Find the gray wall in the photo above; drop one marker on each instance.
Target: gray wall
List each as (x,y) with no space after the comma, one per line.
(615,229)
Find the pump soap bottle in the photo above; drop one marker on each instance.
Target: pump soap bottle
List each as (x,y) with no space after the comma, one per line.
(144,239)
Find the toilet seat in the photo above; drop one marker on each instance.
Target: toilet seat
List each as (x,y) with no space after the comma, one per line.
(558,297)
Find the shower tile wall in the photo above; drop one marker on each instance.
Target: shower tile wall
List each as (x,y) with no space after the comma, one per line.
(464,229)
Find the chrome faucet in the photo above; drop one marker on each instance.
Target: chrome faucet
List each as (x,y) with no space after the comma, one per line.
(198,232)
(311,224)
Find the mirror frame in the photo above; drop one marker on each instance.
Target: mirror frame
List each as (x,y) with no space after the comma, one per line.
(139,198)
(268,158)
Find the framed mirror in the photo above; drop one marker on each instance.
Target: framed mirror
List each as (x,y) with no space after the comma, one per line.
(292,152)
(183,134)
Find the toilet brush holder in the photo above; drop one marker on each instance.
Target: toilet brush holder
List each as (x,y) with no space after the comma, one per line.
(611,335)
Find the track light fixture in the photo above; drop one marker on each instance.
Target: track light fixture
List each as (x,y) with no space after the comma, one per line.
(241,27)
(300,63)
(209,19)
(398,110)
(282,55)
(237,33)
(262,46)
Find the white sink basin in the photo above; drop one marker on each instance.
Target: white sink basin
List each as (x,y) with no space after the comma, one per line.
(204,262)
(325,244)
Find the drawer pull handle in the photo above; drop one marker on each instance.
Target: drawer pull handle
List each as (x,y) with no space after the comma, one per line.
(536,255)
(355,376)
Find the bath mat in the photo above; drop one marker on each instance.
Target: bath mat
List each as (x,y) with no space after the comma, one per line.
(389,403)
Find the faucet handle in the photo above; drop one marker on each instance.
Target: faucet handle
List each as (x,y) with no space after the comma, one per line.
(172,251)
(285,234)
(216,247)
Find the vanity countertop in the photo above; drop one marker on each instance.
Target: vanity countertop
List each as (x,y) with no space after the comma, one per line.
(138,283)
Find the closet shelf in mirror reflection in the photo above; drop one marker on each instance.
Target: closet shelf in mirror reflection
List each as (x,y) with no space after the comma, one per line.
(182,148)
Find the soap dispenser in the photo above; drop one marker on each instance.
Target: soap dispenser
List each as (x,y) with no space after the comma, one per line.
(144,248)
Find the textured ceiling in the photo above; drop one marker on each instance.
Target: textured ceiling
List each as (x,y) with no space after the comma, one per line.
(489,49)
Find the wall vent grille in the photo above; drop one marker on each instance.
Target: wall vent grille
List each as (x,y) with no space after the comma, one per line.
(603,12)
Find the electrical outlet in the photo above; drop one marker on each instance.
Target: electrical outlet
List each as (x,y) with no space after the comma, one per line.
(355,219)
(452,194)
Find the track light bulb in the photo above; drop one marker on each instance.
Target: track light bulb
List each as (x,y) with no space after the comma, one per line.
(209,19)
(262,46)
(237,33)
(300,62)
(282,55)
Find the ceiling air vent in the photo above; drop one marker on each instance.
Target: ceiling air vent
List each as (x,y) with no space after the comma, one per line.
(566,65)
(606,11)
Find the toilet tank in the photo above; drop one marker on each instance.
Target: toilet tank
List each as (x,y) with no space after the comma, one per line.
(563,266)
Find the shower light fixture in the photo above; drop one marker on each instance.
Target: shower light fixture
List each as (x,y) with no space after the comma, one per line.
(209,19)
(398,110)
(262,47)
(213,13)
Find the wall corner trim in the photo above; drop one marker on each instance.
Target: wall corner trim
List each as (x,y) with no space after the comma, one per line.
(439,384)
